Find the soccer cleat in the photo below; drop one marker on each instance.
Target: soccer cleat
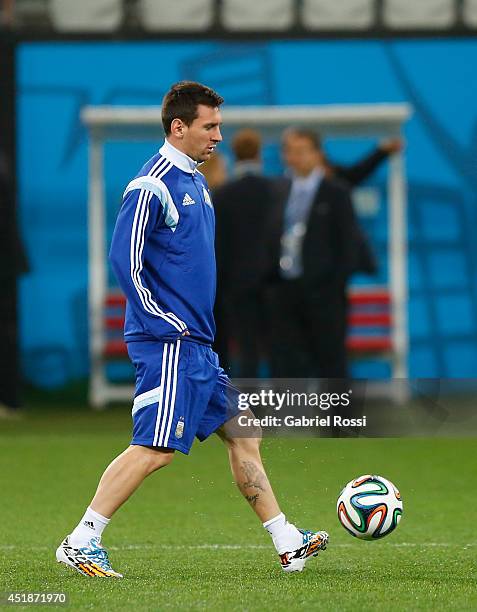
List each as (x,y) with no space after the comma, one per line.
(90,560)
(313,542)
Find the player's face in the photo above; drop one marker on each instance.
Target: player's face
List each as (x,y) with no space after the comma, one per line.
(202,136)
(300,154)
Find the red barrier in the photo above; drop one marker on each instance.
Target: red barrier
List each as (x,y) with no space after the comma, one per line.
(369,308)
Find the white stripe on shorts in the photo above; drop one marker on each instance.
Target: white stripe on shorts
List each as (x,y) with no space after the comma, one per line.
(161,398)
(173,399)
(146,399)
(169,392)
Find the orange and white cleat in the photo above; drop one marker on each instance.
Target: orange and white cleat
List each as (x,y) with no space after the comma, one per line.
(91,560)
(313,543)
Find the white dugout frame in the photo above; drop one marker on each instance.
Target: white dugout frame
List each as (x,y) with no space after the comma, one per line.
(109,123)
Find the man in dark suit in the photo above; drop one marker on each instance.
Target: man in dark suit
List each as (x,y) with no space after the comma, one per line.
(358,172)
(243,206)
(13,263)
(313,251)
(355,174)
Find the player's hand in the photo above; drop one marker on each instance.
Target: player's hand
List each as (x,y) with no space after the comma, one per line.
(393,145)
(186,333)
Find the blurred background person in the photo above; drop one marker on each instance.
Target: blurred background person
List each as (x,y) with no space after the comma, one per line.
(6,13)
(355,174)
(313,252)
(215,171)
(12,264)
(243,208)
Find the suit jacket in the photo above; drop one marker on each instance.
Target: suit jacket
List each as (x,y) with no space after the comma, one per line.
(329,248)
(13,260)
(243,207)
(355,174)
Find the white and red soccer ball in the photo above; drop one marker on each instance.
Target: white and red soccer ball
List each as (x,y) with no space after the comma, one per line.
(369,507)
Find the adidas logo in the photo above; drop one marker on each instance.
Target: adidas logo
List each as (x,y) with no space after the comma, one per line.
(187,201)
(89,524)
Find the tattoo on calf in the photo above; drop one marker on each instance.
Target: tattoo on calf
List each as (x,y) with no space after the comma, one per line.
(253,479)
(252,499)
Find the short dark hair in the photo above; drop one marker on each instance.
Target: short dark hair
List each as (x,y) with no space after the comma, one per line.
(304,132)
(246,144)
(182,100)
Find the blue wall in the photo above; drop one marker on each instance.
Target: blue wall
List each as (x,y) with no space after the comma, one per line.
(436,77)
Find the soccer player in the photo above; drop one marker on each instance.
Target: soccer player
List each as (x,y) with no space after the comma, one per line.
(162,253)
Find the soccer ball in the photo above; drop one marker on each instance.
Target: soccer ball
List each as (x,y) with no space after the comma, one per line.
(369,507)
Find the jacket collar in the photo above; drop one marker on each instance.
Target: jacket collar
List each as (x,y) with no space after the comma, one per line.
(179,159)
(284,184)
(247,168)
(308,182)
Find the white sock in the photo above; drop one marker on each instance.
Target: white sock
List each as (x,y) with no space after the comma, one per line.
(91,525)
(285,536)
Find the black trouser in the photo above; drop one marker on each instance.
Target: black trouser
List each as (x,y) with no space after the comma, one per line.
(308,330)
(247,319)
(222,333)
(9,369)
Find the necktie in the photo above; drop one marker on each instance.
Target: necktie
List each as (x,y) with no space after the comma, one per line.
(296,208)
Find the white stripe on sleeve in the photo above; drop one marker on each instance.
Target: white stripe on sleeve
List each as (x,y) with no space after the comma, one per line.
(141,217)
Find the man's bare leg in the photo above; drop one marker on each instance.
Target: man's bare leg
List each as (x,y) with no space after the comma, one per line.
(125,474)
(81,550)
(119,481)
(248,471)
(293,546)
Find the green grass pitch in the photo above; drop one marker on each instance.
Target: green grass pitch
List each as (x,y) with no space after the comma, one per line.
(188,541)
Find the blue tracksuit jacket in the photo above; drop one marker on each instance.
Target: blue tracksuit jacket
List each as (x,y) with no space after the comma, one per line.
(162,251)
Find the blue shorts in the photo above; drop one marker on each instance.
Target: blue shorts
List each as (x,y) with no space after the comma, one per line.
(181,392)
